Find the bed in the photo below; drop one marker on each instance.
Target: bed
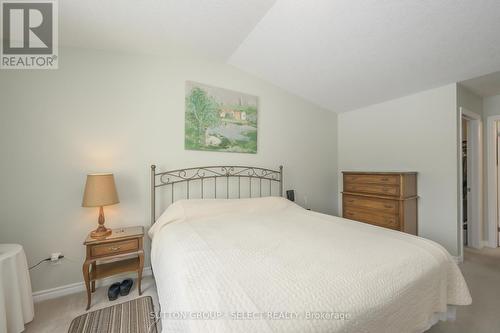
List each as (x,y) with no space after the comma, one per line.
(264,264)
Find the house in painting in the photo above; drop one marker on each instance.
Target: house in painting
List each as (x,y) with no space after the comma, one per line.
(233,114)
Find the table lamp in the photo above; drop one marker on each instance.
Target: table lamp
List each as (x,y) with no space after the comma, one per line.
(100,190)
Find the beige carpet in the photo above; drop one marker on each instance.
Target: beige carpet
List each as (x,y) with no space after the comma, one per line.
(481,270)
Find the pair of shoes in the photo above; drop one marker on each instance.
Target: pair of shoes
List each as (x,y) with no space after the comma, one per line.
(122,288)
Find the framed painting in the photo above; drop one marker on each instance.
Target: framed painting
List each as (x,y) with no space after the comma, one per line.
(219,119)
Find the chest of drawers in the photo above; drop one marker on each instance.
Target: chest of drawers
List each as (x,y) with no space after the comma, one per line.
(385,199)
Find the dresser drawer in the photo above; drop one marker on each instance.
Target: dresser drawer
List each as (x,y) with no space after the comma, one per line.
(381,205)
(389,190)
(114,248)
(372,179)
(375,218)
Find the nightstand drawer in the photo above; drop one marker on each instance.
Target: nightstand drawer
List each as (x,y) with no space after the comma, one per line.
(114,248)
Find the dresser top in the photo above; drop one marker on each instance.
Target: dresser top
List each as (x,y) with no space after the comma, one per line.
(381,172)
(117,234)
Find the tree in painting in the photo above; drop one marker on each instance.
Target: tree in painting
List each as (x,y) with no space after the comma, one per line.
(201,113)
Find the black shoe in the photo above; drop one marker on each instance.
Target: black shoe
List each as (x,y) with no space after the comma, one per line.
(125,286)
(113,291)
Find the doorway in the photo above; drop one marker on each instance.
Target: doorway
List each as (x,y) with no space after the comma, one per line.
(465,186)
(470,180)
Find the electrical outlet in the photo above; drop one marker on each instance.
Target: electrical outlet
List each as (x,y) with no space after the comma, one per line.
(54,257)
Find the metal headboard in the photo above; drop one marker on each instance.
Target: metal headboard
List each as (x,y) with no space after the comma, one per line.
(199,176)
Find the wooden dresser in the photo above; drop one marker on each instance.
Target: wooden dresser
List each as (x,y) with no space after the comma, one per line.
(385,199)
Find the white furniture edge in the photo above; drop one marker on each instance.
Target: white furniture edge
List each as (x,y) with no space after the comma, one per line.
(77,287)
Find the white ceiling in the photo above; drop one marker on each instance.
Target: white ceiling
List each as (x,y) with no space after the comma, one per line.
(345,54)
(340,54)
(484,86)
(211,27)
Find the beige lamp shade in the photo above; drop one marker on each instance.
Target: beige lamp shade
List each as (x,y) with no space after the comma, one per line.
(100,190)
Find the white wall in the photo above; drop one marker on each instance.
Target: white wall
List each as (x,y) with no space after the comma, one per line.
(413,133)
(113,112)
(469,100)
(491,106)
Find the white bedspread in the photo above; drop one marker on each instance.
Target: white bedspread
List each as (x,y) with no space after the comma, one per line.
(267,265)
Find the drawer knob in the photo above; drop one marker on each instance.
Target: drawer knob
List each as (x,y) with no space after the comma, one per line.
(114,248)
(387,206)
(385,179)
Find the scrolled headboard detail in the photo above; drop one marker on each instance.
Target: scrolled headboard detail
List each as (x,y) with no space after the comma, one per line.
(206,179)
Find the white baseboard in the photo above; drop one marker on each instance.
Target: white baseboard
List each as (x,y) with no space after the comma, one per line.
(458,259)
(77,287)
(483,244)
(491,244)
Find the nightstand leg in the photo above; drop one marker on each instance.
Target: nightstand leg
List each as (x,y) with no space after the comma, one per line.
(86,278)
(139,273)
(94,265)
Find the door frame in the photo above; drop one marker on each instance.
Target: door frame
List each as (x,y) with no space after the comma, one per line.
(492,181)
(475,140)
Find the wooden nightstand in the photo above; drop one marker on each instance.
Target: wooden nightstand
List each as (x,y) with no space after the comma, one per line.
(119,246)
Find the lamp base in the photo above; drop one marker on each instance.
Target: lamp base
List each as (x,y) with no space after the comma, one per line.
(100,232)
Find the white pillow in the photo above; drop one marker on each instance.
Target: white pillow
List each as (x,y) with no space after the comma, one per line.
(198,208)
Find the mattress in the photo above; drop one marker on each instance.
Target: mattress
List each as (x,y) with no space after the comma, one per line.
(268,265)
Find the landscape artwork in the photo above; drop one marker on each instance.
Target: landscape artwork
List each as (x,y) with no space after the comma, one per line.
(219,119)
